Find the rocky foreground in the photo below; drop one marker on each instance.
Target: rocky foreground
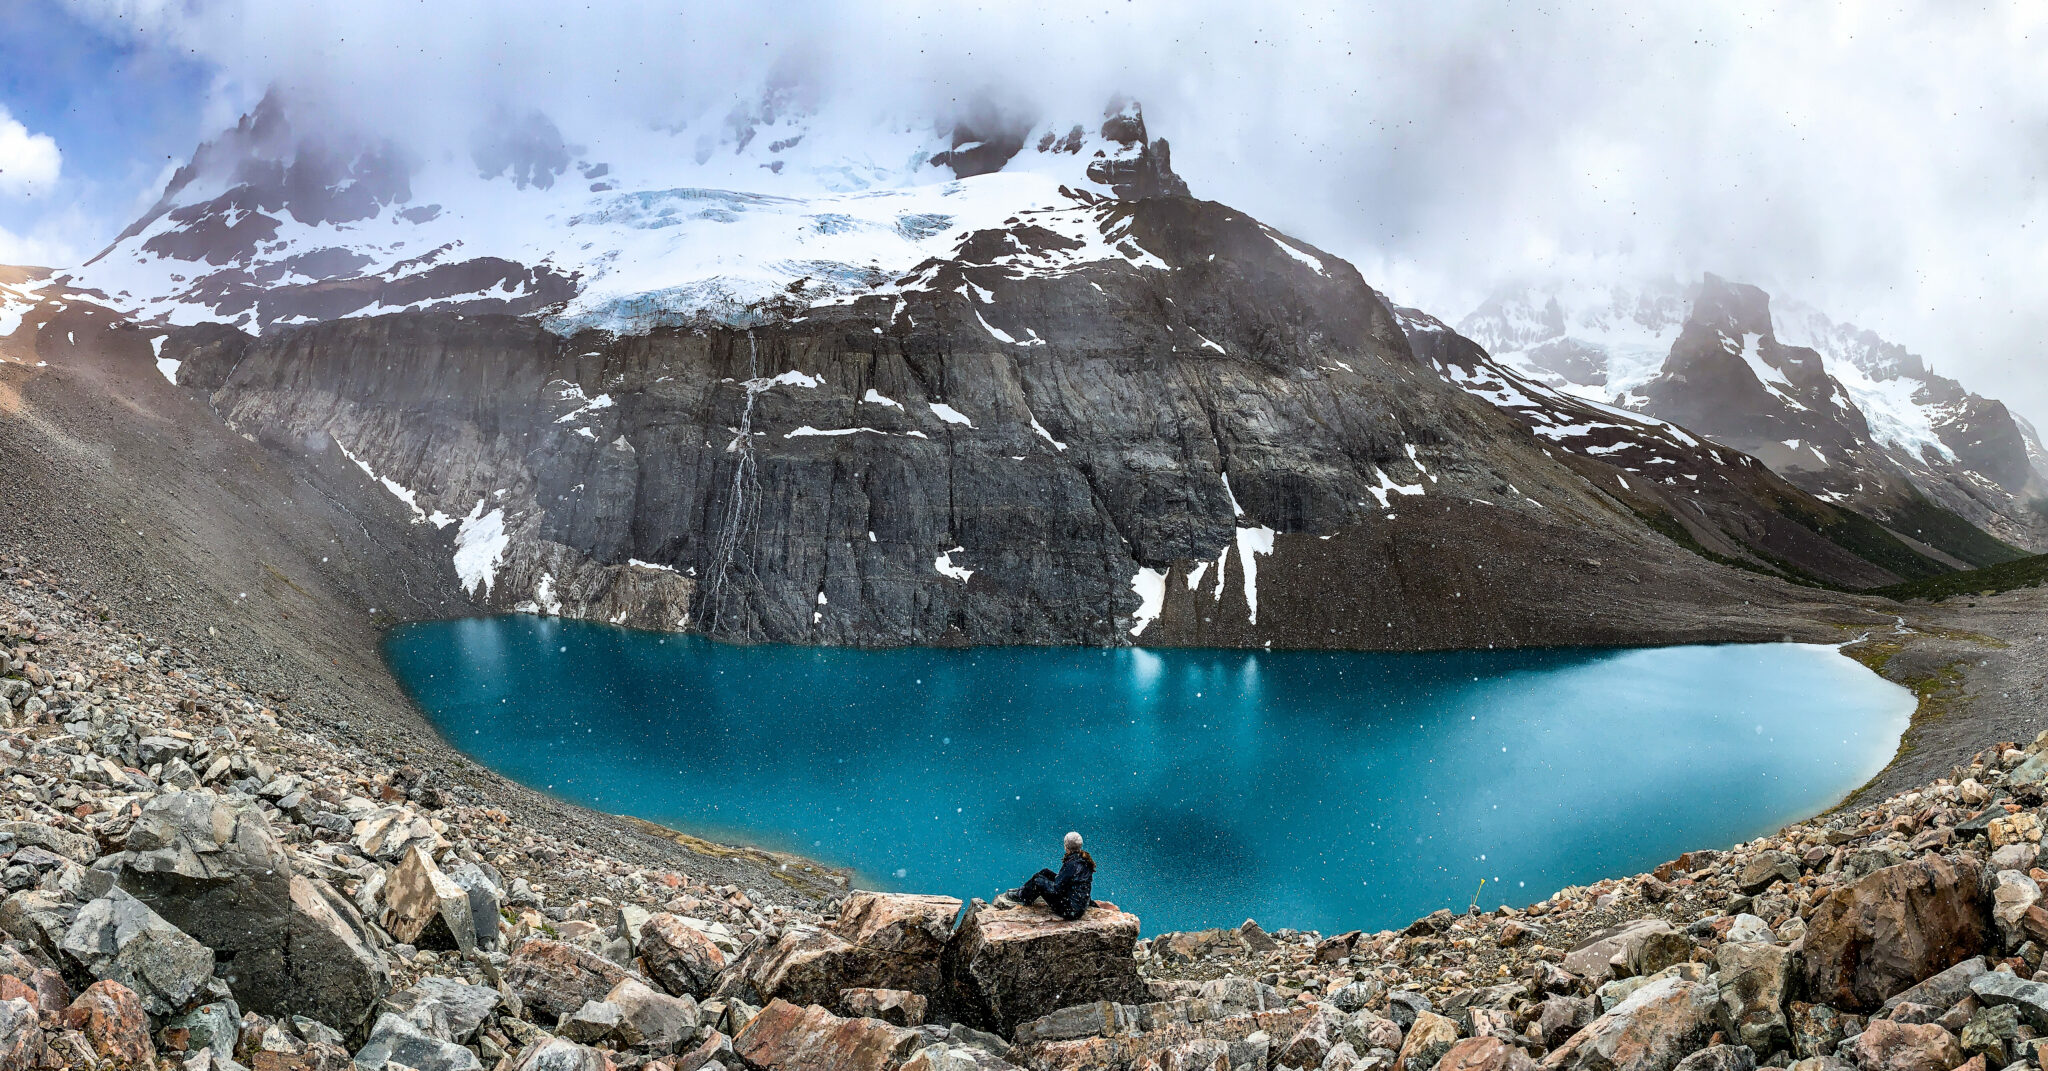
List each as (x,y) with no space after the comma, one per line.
(193,881)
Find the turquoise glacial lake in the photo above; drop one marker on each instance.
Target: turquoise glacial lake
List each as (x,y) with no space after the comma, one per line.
(1320,790)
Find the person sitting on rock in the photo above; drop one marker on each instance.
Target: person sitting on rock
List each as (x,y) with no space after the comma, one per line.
(1067,892)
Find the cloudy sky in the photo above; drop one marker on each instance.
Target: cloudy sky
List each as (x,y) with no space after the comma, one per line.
(1882,162)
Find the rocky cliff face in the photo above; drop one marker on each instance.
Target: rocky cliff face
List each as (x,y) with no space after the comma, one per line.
(1054,399)
(1221,436)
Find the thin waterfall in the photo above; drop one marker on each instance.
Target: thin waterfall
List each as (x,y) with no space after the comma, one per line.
(741,507)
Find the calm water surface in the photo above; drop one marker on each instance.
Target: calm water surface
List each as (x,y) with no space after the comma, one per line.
(1309,789)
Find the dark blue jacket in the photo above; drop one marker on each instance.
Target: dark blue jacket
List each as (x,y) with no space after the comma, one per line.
(1073,889)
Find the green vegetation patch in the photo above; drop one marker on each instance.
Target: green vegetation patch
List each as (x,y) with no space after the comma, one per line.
(1946,531)
(2024,573)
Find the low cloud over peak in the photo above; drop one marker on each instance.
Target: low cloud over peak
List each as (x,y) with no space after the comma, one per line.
(1882,164)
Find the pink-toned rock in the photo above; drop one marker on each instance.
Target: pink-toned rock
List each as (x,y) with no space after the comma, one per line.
(1888,1046)
(1484,1054)
(555,978)
(1008,966)
(1313,1042)
(1892,927)
(784,1037)
(679,957)
(1655,1028)
(900,923)
(879,941)
(110,1016)
(53,993)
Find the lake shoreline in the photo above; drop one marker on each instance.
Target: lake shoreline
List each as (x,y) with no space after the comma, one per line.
(1300,777)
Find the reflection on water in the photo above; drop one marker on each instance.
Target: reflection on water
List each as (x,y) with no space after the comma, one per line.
(1310,789)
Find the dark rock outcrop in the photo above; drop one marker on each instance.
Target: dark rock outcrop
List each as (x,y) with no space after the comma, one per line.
(211,866)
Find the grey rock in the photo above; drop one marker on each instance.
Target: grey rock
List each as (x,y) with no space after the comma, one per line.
(443,1007)
(21,1036)
(561,1054)
(1594,959)
(1404,1005)
(118,938)
(1755,981)
(1944,989)
(210,1026)
(485,899)
(212,867)
(1354,996)
(39,921)
(1995,988)
(595,1021)
(1990,1034)
(654,1021)
(393,1040)
(1720,1058)
(76,847)
(1765,869)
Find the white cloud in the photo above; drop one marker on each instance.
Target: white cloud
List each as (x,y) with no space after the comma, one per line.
(29,163)
(1882,161)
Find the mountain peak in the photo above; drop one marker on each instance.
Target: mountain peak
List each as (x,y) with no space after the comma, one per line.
(780,203)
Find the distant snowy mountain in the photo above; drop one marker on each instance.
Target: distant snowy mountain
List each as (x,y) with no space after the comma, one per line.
(1843,412)
(772,208)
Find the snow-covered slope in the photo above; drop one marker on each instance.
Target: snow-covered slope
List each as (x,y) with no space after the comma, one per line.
(764,211)
(1599,341)
(1864,414)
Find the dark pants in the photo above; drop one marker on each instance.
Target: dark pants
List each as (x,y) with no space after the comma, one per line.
(1045,884)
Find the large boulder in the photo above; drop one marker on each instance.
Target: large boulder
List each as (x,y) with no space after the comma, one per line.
(444,1007)
(1005,966)
(1997,989)
(1656,1027)
(39,920)
(1754,982)
(76,847)
(679,957)
(211,866)
(879,941)
(1888,1046)
(425,907)
(556,978)
(785,1037)
(1766,869)
(654,1021)
(1607,953)
(111,1017)
(1893,927)
(396,1041)
(1428,1041)
(119,939)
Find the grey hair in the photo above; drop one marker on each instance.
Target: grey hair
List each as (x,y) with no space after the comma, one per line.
(1073,842)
